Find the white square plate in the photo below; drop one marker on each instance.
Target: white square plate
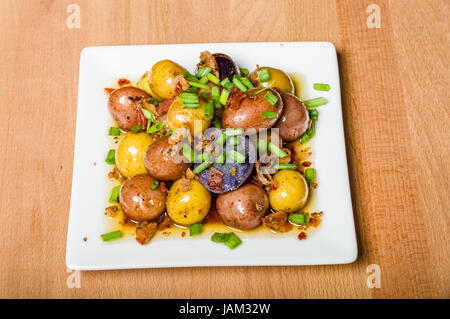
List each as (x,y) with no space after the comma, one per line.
(334,242)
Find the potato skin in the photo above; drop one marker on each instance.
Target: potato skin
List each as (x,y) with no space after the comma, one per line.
(178,117)
(244,207)
(138,201)
(294,120)
(158,161)
(244,110)
(125,105)
(188,207)
(162,78)
(130,154)
(291,192)
(278,79)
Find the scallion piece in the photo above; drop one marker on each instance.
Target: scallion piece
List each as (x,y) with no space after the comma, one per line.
(309,134)
(149,115)
(190,105)
(114,131)
(310,175)
(214,79)
(136,128)
(169,132)
(227,84)
(112,235)
(286,166)
(203,71)
(216,123)
(114,197)
(153,101)
(188,152)
(154,185)
(192,90)
(195,229)
(233,141)
(236,156)
(263,75)
(246,82)
(261,145)
(321,87)
(232,241)
(269,115)
(243,71)
(233,131)
(155,128)
(219,237)
(111,157)
(272,99)
(199,85)
(217,103)
(188,98)
(262,90)
(189,77)
(221,158)
(313,114)
(239,84)
(221,139)
(203,80)
(224,96)
(209,110)
(300,219)
(315,102)
(276,150)
(200,168)
(215,92)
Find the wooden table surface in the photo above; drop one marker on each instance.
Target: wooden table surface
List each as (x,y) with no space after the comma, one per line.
(395,82)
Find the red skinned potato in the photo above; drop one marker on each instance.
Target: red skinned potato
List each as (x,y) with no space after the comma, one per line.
(158,161)
(244,207)
(294,120)
(245,110)
(125,106)
(138,201)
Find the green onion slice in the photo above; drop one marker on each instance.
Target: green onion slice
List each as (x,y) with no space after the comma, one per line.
(203,80)
(114,131)
(200,168)
(300,219)
(243,71)
(263,75)
(195,229)
(203,71)
(310,175)
(309,134)
(216,122)
(286,166)
(169,132)
(149,115)
(272,99)
(234,140)
(189,77)
(155,128)
(315,102)
(199,85)
(239,84)
(188,152)
(154,185)
(232,241)
(269,115)
(321,87)
(233,131)
(136,129)
(214,79)
(215,92)
(276,150)
(246,82)
(224,96)
(190,105)
(227,84)
(219,237)
(153,101)
(313,114)
(236,156)
(112,235)
(221,158)
(111,157)
(209,110)
(114,198)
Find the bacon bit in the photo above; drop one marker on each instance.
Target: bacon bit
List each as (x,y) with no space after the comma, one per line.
(183,234)
(302,235)
(273,186)
(215,180)
(306,164)
(109,90)
(180,84)
(166,233)
(314,185)
(263,179)
(85,238)
(145,232)
(277,221)
(233,171)
(94,163)
(162,187)
(114,174)
(123,82)
(286,159)
(207,59)
(185,185)
(111,211)
(190,174)
(165,223)
(315,219)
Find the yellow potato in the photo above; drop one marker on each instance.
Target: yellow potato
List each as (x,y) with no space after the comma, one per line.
(278,79)
(130,154)
(162,77)
(178,117)
(291,192)
(189,207)
(300,153)
(144,84)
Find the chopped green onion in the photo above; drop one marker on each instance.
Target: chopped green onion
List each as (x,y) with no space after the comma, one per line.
(203,80)
(310,175)
(149,115)
(263,75)
(188,152)
(286,166)
(215,92)
(261,145)
(236,156)
(153,101)
(313,114)
(195,229)
(192,90)
(315,102)
(169,132)
(188,98)
(269,115)
(217,104)
(136,129)
(233,131)
(111,157)
(239,84)
(203,71)
(114,198)
(272,99)
(221,139)
(190,105)
(243,71)
(219,237)
(154,185)
(227,84)
(309,134)
(221,158)
(112,235)
(199,85)
(216,123)
(321,87)
(209,110)
(232,241)
(155,128)
(200,168)
(276,150)
(214,79)
(262,90)
(114,131)
(246,82)
(234,140)
(224,96)
(202,157)
(189,77)
(300,219)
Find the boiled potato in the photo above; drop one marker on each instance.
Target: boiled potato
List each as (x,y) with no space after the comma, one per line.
(162,77)
(188,207)
(130,154)
(299,154)
(278,79)
(144,84)
(178,117)
(291,192)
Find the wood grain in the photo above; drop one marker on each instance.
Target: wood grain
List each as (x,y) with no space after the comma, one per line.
(396,109)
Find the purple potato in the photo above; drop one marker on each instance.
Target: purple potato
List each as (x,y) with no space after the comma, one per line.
(226,66)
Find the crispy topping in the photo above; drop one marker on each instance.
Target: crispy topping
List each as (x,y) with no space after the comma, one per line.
(145,232)
(111,211)
(123,82)
(180,84)
(277,221)
(165,223)
(190,174)
(215,179)
(208,60)
(185,184)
